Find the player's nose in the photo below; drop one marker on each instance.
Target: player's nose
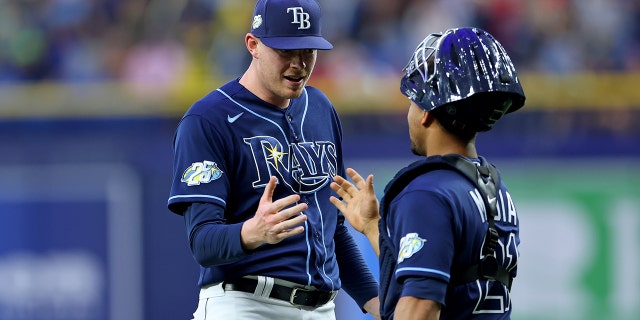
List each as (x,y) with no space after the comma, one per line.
(298,61)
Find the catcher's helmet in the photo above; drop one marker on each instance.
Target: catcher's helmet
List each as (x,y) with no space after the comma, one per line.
(465,76)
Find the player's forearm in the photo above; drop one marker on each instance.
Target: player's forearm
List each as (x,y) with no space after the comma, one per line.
(211,241)
(373,308)
(412,308)
(373,234)
(215,244)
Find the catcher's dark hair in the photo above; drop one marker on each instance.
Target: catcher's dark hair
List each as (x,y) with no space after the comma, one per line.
(477,113)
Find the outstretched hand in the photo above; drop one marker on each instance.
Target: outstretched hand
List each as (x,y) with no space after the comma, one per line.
(274,221)
(359,204)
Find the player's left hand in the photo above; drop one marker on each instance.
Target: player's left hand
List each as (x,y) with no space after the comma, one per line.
(275,220)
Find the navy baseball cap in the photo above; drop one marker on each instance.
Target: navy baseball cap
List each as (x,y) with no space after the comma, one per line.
(289,24)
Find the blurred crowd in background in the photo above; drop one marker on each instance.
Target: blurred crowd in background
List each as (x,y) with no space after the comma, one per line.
(104,40)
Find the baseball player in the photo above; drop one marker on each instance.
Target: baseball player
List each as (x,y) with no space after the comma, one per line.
(253,163)
(446,230)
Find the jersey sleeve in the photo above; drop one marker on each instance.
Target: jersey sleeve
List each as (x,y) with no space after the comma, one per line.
(200,165)
(212,242)
(423,233)
(199,192)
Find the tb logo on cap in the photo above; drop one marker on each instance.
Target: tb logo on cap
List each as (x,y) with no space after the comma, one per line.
(300,17)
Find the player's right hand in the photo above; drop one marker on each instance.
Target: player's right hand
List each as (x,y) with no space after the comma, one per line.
(359,203)
(274,221)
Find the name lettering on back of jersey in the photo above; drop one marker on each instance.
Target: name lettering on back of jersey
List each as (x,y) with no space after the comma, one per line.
(507,249)
(304,167)
(506,210)
(409,245)
(201,172)
(495,299)
(477,198)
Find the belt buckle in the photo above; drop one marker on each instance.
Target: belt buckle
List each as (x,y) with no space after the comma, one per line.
(292,297)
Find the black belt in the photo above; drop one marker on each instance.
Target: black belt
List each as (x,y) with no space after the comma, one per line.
(295,296)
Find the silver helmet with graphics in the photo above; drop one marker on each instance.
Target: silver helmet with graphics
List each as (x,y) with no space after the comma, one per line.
(465,77)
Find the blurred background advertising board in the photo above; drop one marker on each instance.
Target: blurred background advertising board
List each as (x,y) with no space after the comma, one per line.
(70,252)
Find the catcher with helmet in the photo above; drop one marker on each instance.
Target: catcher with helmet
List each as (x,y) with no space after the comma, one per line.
(446,230)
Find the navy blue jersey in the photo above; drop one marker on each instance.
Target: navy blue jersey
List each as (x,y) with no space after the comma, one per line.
(226,148)
(435,228)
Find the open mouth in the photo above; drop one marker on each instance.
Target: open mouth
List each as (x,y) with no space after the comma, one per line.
(294,79)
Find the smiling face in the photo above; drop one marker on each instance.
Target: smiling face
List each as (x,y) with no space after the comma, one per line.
(282,74)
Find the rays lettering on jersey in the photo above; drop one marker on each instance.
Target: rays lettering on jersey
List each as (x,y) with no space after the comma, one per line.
(304,167)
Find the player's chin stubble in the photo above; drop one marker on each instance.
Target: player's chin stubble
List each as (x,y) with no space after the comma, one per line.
(414,150)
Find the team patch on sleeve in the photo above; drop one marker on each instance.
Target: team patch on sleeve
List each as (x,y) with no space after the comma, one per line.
(201,172)
(410,244)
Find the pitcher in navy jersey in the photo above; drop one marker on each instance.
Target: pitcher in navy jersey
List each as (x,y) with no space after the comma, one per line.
(446,230)
(253,163)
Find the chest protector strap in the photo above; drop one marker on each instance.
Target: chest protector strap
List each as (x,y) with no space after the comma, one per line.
(487,180)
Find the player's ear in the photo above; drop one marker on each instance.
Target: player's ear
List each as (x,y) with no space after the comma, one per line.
(251,42)
(427,118)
